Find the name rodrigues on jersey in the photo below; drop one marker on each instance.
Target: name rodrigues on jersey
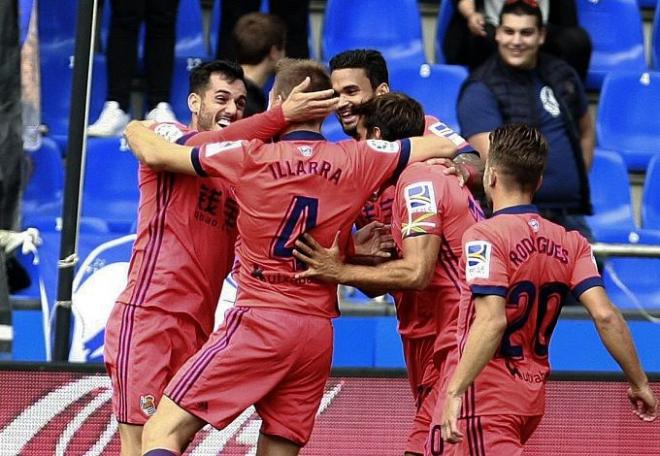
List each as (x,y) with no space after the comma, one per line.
(281,170)
(524,249)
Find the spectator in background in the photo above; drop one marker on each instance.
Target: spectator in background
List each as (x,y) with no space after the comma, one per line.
(470,38)
(294,13)
(258,40)
(520,84)
(159,17)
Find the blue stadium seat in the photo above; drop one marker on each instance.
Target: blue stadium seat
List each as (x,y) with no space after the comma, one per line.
(615,28)
(628,119)
(190,40)
(646,3)
(445,13)
(46,179)
(436,87)
(332,130)
(394,27)
(628,287)
(655,39)
(110,190)
(610,196)
(180,85)
(651,195)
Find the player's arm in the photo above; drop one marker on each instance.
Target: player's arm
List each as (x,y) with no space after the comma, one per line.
(298,106)
(412,272)
(431,146)
(484,337)
(615,335)
(157,153)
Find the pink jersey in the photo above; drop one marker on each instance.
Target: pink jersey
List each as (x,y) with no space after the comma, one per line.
(533,263)
(427,202)
(300,184)
(185,241)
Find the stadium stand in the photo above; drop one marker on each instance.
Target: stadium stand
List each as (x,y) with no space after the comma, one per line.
(650,207)
(445,13)
(391,26)
(110,192)
(436,87)
(655,39)
(190,40)
(628,119)
(615,28)
(46,179)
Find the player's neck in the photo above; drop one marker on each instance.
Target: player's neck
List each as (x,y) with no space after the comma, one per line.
(303,126)
(503,200)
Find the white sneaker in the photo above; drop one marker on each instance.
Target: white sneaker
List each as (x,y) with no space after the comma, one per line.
(111,122)
(161,113)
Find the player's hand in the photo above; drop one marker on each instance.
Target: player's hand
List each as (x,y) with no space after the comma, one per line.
(449,427)
(644,402)
(477,24)
(140,139)
(452,168)
(302,106)
(148,123)
(324,264)
(374,239)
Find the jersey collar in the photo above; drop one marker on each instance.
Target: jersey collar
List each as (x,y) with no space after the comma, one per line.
(302,135)
(522,209)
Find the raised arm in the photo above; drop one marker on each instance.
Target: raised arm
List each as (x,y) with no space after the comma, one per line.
(616,337)
(156,152)
(431,146)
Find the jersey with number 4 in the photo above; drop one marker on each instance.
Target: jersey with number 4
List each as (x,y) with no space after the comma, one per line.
(300,184)
(532,263)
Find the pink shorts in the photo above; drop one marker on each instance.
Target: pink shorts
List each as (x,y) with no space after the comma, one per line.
(144,347)
(424,381)
(486,435)
(276,360)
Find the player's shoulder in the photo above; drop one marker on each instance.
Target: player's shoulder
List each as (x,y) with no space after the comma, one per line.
(171,131)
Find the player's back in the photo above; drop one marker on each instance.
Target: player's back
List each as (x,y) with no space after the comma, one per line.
(428,202)
(185,240)
(299,184)
(533,263)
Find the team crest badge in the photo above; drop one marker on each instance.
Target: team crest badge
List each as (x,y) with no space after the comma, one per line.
(534,225)
(306,151)
(478,260)
(148,404)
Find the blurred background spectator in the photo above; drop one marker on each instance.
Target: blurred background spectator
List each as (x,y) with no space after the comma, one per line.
(258,41)
(470,38)
(159,17)
(294,13)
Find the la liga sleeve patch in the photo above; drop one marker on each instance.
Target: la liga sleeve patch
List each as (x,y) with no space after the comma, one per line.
(216,148)
(383,146)
(169,131)
(477,264)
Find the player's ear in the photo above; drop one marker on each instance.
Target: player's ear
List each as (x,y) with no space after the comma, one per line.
(376,133)
(538,186)
(194,102)
(382,88)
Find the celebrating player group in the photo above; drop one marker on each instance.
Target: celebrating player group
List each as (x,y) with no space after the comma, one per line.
(268,199)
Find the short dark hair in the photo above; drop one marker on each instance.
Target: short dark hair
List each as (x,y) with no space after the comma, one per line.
(371,61)
(291,72)
(396,115)
(201,74)
(523,8)
(255,34)
(519,151)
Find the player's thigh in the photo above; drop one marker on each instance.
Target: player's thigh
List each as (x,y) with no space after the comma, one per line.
(275,446)
(144,347)
(290,409)
(241,363)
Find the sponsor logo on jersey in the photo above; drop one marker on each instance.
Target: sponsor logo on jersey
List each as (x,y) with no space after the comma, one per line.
(534,225)
(169,131)
(477,265)
(216,148)
(148,404)
(383,146)
(441,129)
(420,199)
(306,151)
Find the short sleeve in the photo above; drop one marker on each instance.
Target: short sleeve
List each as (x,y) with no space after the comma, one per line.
(417,204)
(486,271)
(224,159)
(585,270)
(380,161)
(477,110)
